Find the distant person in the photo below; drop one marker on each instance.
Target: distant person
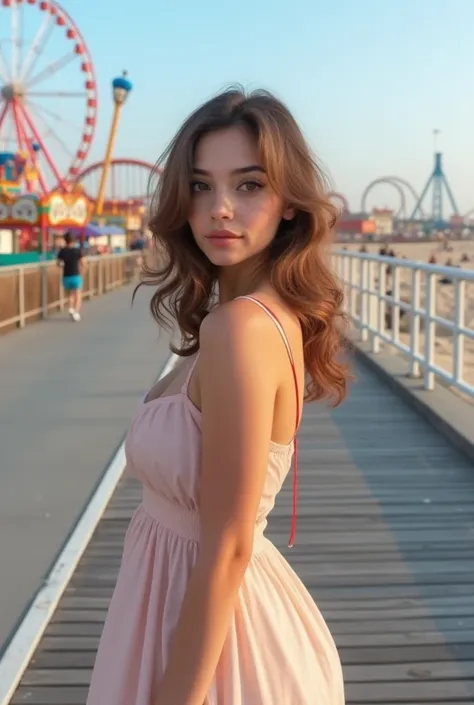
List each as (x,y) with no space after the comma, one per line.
(138,243)
(71,259)
(389,309)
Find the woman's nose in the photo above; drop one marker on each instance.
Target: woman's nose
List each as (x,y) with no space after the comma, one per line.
(222,206)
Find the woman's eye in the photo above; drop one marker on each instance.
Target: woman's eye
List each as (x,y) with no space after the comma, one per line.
(197,186)
(250,186)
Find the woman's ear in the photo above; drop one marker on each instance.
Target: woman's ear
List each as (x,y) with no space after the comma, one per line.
(289,213)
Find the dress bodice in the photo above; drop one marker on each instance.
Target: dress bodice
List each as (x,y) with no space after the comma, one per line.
(163,451)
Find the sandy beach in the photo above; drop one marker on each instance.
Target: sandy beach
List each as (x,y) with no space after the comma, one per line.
(423,251)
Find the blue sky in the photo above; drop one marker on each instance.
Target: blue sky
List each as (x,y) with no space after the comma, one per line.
(368,80)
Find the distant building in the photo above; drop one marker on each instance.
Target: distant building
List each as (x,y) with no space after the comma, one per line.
(383,220)
(355,224)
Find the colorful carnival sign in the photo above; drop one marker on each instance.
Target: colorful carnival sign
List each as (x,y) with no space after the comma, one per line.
(67,210)
(56,210)
(19,211)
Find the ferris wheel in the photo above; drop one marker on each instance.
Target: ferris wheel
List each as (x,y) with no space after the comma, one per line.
(48,92)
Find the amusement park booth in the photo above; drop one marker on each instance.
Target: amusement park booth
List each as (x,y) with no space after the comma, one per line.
(13,168)
(28,220)
(102,238)
(33,219)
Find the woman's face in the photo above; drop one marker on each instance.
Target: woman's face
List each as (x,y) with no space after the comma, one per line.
(234,211)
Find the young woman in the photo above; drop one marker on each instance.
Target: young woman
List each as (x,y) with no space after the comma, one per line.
(206,610)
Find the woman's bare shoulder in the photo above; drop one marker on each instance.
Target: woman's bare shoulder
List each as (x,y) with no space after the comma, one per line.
(236,339)
(238,321)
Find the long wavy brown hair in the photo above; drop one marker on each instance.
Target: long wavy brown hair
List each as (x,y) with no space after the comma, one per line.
(296,262)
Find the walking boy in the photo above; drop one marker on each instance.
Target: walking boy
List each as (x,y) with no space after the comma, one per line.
(71,259)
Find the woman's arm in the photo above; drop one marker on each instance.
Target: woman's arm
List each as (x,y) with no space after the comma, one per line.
(238,385)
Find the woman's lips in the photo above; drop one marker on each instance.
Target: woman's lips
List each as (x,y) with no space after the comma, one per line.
(223,237)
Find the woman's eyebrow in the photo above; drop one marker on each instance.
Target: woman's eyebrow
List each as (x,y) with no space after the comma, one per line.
(240,170)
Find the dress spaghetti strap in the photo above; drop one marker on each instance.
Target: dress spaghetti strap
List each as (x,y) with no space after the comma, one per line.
(184,387)
(281,330)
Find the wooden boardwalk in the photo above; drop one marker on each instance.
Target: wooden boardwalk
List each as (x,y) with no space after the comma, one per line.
(385,545)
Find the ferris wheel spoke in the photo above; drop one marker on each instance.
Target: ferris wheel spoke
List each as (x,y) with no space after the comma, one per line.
(16,39)
(3,120)
(22,140)
(9,139)
(40,141)
(52,132)
(5,74)
(19,133)
(29,146)
(37,47)
(58,94)
(34,106)
(51,69)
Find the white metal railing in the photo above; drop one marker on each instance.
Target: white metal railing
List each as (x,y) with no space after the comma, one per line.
(379,291)
(34,290)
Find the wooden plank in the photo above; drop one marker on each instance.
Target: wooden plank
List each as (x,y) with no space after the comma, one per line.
(402,630)
(377,655)
(462,613)
(332,609)
(357,693)
(425,691)
(74,674)
(56,695)
(89,640)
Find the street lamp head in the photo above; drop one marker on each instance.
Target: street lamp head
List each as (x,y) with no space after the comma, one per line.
(121,87)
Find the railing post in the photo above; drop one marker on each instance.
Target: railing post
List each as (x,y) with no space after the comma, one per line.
(373,309)
(395,304)
(44,290)
(100,282)
(430,329)
(381,308)
(415,322)
(345,282)
(363,283)
(459,322)
(352,291)
(21,297)
(339,267)
(61,292)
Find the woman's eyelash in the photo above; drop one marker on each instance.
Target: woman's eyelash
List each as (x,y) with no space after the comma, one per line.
(196,185)
(252,182)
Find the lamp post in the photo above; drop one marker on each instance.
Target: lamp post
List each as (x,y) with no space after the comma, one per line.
(121,87)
